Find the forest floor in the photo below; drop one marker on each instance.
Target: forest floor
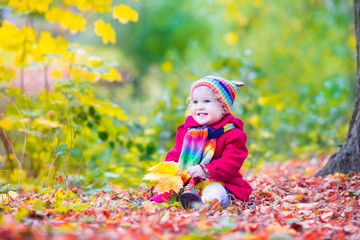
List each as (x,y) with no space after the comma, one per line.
(287,203)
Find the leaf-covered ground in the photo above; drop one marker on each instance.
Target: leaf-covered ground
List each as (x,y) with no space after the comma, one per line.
(286,204)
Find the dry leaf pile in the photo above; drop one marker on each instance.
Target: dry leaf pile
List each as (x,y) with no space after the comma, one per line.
(286,204)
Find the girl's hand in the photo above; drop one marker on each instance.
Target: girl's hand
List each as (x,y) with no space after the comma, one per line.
(197,171)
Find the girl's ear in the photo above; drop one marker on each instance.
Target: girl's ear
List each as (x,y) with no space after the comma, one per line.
(224,112)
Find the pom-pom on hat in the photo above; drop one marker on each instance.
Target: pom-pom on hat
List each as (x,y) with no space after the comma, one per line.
(224,88)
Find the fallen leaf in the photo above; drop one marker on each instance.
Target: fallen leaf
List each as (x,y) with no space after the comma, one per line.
(148,206)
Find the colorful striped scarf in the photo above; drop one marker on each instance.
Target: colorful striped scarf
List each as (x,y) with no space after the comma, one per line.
(199,145)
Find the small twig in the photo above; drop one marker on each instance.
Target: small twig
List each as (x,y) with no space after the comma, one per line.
(16,158)
(68,156)
(52,164)
(10,144)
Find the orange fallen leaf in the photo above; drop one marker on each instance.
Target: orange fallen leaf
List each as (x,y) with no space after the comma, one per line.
(148,206)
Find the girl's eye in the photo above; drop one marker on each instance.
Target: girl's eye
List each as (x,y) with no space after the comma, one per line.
(195,102)
(206,101)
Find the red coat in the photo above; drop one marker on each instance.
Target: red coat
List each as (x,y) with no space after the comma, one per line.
(228,158)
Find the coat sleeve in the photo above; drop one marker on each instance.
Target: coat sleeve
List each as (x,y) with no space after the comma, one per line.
(232,158)
(174,153)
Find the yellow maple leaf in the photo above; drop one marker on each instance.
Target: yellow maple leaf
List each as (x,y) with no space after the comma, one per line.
(92,77)
(169,183)
(68,20)
(13,195)
(53,14)
(47,44)
(95,61)
(167,175)
(171,168)
(10,37)
(113,75)
(125,14)
(106,31)
(77,24)
(56,74)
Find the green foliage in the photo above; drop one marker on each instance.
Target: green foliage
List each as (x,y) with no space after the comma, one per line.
(74,128)
(297,62)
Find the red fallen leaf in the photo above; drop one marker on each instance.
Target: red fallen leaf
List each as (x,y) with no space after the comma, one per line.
(341,220)
(326,214)
(276,227)
(268,193)
(144,195)
(306,213)
(252,226)
(59,178)
(106,212)
(112,196)
(333,197)
(287,214)
(313,236)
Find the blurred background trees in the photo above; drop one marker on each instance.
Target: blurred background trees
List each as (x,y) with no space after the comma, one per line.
(120,105)
(347,158)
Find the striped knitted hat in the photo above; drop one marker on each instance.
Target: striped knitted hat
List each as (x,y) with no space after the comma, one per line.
(224,88)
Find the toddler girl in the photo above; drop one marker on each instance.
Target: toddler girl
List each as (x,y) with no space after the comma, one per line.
(210,144)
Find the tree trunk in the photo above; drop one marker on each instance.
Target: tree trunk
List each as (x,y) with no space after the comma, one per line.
(347,159)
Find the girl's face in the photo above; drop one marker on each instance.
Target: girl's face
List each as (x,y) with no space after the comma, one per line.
(205,108)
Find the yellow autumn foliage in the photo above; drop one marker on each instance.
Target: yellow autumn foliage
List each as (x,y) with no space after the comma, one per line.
(91,5)
(43,123)
(103,107)
(30,5)
(47,44)
(171,168)
(167,66)
(106,31)
(12,38)
(56,74)
(167,184)
(125,14)
(11,195)
(67,19)
(167,175)
(112,75)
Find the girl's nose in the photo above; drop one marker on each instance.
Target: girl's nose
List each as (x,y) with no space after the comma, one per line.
(200,106)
